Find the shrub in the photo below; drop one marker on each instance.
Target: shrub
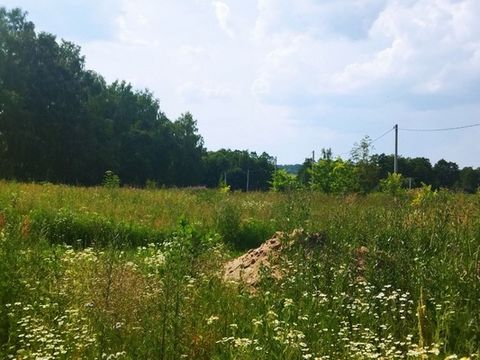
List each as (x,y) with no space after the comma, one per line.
(283,181)
(111,180)
(151,184)
(228,219)
(392,184)
(253,233)
(424,195)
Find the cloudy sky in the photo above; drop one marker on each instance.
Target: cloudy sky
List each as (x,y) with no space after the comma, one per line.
(292,76)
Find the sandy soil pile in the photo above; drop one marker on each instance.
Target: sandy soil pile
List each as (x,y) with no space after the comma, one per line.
(247,267)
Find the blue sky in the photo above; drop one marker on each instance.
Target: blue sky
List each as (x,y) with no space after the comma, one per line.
(292,76)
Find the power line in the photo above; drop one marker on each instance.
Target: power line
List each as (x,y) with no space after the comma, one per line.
(419,130)
(381,136)
(442,129)
(370,143)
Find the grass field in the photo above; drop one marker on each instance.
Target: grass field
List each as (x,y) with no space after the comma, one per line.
(137,274)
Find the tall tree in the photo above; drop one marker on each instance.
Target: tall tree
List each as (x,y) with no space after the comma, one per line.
(469,179)
(188,151)
(446,174)
(365,168)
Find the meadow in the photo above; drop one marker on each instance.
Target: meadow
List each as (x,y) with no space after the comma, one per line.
(98,273)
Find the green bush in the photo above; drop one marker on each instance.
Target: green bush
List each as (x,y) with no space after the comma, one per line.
(151,184)
(111,180)
(228,222)
(283,181)
(392,184)
(253,233)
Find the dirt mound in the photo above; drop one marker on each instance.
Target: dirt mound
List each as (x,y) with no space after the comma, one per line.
(247,267)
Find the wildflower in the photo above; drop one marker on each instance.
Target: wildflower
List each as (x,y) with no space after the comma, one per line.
(242,342)
(212,319)
(288,302)
(256,322)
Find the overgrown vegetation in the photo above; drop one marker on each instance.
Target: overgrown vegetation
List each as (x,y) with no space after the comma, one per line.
(129,274)
(113,272)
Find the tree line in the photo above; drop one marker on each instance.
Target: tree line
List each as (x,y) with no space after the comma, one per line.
(364,173)
(62,123)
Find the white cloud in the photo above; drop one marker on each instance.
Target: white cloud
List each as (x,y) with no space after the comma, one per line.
(260,87)
(222,11)
(388,63)
(192,92)
(299,74)
(410,47)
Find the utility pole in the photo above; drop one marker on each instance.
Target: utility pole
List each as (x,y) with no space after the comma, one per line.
(248,179)
(313,160)
(395,159)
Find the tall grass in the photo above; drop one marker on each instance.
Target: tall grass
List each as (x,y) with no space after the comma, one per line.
(132,274)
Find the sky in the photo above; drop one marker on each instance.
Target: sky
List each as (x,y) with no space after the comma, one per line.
(292,76)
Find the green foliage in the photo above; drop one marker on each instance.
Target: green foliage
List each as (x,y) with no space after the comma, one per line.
(239,233)
(291,169)
(283,181)
(294,211)
(370,278)
(469,180)
(151,184)
(238,167)
(84,230)
(392,184)
(253,233)
(333,176)
(228,222)
(305,172)
(366,172)
(62,123)
(446,174)
(223,187)
(361,151)
(190,241)
(424,196)
(111,180)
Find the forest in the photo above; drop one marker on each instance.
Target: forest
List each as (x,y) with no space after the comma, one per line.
(62,123)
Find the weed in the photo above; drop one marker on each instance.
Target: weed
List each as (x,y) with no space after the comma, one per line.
(84,274)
